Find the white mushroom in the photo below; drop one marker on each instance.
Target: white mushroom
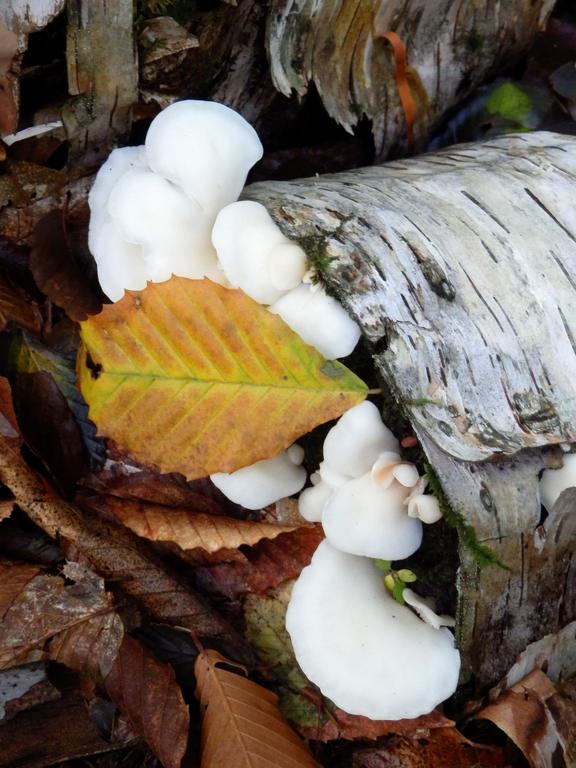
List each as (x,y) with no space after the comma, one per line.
(120,264)
(312,500)
(264,482)
(204,148)
(362,518)
(368,654)
(424,507)
(318,319)
(254,254)
(554,481)
(172,230)
(424,607)
(357,440)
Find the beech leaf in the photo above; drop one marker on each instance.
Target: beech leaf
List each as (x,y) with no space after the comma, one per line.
(146,692)
(190,530)
(242,726)
(196,378)
(16,304)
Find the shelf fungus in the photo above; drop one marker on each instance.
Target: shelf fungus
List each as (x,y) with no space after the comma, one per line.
(393,662)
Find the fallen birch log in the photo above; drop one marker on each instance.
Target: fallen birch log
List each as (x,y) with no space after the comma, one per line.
(460,267)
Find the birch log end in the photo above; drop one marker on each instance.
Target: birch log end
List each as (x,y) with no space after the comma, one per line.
(451,46)
(460,267)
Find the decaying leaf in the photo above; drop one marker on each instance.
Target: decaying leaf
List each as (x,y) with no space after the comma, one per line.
(441,748)
(24,687)
(523,714)
(146,692)
(242,725)
(196,378)
(57,265)
(8,420)
(6,508)
(267,564)
(187,529)
(42,607)
(27,356)
(117,554)
(17,305)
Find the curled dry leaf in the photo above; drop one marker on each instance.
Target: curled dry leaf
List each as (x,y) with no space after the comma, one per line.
(187,529)
(24,687)
(267,564)
(523,714)
(116,553)
(242,725)
(6,508)
(146,692)
(196,378)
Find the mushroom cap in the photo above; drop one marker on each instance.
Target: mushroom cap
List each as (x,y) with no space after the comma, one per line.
(254,254)
(120,264)
(264,482)
(206,149)
(174,232)
(119,161)
(318,319)
(367,653)
(362,518)
(357,440)
(312,500)
(425,507)
(554,481)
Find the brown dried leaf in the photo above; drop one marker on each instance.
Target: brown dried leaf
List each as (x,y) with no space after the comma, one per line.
(267,564)
(58,262)
(91,647)
(8,420)
(146,692)
(242,726)
(24,687)
(117,554)
(14,578)
(441,748)
(17,305)
(523,715)
(6,508)
(42,607)
(188,529)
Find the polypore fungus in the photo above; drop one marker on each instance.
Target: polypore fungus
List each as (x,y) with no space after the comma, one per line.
(554,481)
(264,482)
(367,653)
(254,254)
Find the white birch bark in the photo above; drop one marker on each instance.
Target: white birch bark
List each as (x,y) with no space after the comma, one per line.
(460,267)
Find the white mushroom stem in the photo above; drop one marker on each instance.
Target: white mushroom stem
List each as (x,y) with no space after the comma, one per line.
(365,519)
(318,319)
(554,481)
(264,482)
(368,654)
(425,609)
(254,254)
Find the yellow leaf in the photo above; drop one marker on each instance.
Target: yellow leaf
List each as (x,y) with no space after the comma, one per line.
(196,378)
(242,726)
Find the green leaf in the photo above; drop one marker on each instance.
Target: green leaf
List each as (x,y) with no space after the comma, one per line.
(407,576)
(511,103)
(383,565)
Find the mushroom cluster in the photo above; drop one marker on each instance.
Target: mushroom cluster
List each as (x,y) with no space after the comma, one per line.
(371,655)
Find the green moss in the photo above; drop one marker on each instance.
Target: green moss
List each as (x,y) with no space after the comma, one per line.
(483,555)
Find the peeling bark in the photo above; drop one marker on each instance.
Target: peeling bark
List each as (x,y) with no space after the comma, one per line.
(460,267)
(451,47)
(102,75)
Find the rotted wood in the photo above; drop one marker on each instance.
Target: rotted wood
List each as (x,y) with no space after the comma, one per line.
(102,76)
(451,48)
(460,266)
